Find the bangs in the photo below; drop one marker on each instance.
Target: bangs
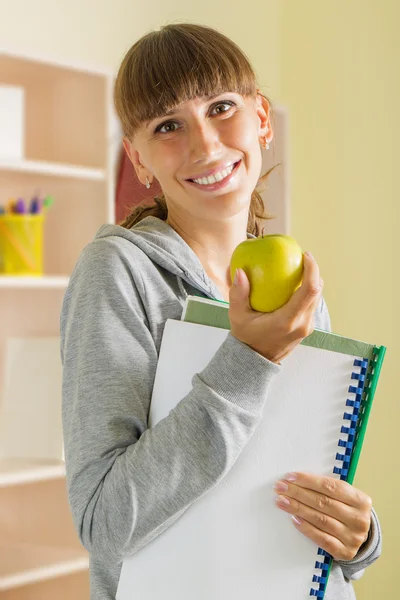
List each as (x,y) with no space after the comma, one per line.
(176,64)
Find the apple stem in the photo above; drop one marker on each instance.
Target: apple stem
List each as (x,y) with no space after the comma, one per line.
(262,232)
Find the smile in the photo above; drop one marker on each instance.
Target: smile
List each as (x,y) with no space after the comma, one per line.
(218,179)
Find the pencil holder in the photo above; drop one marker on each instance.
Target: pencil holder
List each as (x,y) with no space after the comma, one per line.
(21,244)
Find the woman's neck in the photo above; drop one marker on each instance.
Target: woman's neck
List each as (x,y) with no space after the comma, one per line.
(213,243)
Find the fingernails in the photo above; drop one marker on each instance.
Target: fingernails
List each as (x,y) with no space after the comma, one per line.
(290,477)
(297,520)
(309,255)
(281,487)
(282,501)
(236,279)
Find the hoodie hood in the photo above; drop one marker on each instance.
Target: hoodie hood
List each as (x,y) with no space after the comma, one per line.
(165,247)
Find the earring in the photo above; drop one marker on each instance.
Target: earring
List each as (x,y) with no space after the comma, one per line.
(148,184)
(265,144)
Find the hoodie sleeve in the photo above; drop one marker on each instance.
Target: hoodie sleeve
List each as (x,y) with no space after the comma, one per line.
(372,548)
(127,483)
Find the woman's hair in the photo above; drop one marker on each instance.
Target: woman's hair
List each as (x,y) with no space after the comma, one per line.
(167,67)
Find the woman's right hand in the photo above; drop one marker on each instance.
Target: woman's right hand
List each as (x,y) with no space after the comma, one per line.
(274,335)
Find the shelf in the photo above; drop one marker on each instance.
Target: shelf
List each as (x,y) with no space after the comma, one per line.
(46,281)
(18,471)
(52,169)
(22,564)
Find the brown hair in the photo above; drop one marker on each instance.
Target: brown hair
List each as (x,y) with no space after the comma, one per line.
(167,67)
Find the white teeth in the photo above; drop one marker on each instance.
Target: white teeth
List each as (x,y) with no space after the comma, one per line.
(216,177)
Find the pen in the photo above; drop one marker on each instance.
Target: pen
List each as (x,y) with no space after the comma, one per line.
(47,202)
(10,205)
(20,207)
(34,207)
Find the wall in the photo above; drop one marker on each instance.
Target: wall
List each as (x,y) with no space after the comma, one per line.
(340,64)
(98,32)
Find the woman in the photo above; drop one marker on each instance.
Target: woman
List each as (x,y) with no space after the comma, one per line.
(194,120)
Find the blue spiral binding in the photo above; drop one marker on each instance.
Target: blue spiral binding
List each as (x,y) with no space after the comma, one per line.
(350,432)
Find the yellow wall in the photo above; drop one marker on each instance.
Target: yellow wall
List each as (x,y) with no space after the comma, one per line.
(98,32)
(335,65)
(340,65)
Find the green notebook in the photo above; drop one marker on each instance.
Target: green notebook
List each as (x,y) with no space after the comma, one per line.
(368,360)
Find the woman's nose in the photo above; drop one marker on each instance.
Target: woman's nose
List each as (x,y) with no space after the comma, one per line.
(205,143)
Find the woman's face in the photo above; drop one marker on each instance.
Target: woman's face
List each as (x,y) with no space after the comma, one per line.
(205,154)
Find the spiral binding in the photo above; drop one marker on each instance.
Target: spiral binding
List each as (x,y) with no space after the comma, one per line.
(350,431)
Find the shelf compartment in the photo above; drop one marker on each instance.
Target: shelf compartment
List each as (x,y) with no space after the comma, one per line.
(19,471)
(22,564)
(37,515)
(63,122)
(79,209)
(31,400)
(27,314)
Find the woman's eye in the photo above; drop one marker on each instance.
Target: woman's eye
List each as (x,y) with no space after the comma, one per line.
(225,103)
(171,126)
(168,127)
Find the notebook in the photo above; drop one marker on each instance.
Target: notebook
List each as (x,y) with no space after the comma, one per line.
(233,542)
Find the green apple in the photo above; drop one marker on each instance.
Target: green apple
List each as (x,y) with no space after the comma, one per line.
(274,266)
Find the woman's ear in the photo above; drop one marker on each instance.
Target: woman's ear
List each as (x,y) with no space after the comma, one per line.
(264,113)
(141,171)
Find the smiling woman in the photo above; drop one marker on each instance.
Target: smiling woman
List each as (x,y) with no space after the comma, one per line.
(194,120)
(166,82)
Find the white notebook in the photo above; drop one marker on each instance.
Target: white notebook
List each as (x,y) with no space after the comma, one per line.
(234,543)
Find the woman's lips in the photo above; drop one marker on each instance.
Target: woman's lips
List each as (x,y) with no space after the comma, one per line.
(211,187)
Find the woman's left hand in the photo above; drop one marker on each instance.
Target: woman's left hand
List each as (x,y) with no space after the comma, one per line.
(332,513)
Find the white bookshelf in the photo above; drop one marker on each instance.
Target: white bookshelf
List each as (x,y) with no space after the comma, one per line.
(71,143)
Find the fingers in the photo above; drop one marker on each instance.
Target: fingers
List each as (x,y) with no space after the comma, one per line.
(329,543)
(331,488)
(239,294)
(274,335)
(307,296)
(332,513)
(321,510)
(321,523)
(316,501)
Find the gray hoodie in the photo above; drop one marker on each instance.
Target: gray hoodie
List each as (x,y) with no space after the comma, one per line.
(126,482)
